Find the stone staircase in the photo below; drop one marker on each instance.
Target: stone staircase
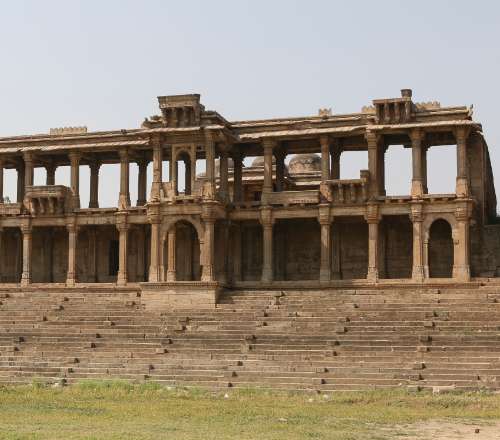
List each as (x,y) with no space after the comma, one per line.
(326,340)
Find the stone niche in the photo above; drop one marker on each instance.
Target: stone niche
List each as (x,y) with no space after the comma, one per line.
(164,297)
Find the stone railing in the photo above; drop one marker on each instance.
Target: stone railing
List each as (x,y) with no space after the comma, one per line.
(202,190)
(48,200)
(345,191)
(287,198)
(8,209)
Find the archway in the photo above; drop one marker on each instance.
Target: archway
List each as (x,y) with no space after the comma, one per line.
(184,262)
(440,250)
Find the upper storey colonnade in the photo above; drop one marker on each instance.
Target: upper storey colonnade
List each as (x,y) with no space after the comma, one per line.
(186,132)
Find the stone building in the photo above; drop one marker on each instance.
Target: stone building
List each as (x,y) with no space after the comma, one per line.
(272,222)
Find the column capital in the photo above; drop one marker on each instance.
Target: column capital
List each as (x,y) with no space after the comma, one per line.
(372,214)
(74,156)
(269,143)
(462,213)
(266,217)
(461,133)
(124,154)
(416,135)
(95,164)
(324,215)
(26,228)
(416,213)
(28,157)
(372,138)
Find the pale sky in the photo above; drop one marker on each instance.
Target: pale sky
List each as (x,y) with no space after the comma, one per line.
(103,63)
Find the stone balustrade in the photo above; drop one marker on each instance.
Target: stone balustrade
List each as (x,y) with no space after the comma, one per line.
(10,209)
(48,199)
(345,191)
(287,198)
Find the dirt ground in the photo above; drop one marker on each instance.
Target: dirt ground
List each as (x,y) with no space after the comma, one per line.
(443,430)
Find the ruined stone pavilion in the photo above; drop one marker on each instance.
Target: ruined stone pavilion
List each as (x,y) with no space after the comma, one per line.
(270,225)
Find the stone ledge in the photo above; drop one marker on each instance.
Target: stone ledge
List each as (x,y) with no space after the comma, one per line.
(166,296)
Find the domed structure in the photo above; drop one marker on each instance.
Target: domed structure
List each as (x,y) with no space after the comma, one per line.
(259,161)
(304,163)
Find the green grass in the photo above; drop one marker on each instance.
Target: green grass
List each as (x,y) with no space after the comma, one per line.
(120,410)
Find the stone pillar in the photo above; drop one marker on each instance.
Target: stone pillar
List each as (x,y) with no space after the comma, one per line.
(223,177)
(325,157)
(20,182)
(124,199)
(171,261)
(336,248)
(373,220)
(123,228)
(280,169)
(417,182)
(207,273)
(269,145)
(157,169)
(462,187)
(425,148)
(154,261)
(267,221)
(72,243)
(1,180)
(210,162)
(93,264)
(335,153)
(94,184)
(372,140)
(28,174)
(187,176)
(325,271)
(51,174)
(27,233)
(2,255)
(142,182)
(75,178)
(461,266)
(417,218)
(237,178)
(236,251)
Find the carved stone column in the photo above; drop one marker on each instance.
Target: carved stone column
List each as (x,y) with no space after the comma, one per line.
(223,177)
(372,140)
(171,261)
(210,161)
(124,199)
(237,178)
(94,184)
(462,187)
(267,221)
(75,178)
(28,174)
(207,273)
(236,251)
(157,169)
(280,169)
(373,220)
(325,271)
(325,157)
(142,182)
(154,262)
(417,183)
(461,266)
(27,233)
(425,148)
(50,169)
(20,182)
(269,145)
(72,243)
(335,152)
(417,218)
(123,229)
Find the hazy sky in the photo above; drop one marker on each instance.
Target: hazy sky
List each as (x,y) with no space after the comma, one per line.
(102,64)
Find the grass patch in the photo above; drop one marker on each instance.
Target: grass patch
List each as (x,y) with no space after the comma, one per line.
(121,410)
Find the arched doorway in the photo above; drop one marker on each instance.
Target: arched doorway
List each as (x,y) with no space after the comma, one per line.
(440,250)
(184,262)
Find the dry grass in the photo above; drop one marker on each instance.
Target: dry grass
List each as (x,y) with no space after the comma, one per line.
(119,410)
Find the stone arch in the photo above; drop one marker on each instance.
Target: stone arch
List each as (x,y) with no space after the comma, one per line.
(182,248)
(440,249)
(426,226)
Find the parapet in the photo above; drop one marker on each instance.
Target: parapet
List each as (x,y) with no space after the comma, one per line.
(68,130)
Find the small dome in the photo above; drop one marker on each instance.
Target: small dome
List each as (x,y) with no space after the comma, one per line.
(259,161)
(304,163)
